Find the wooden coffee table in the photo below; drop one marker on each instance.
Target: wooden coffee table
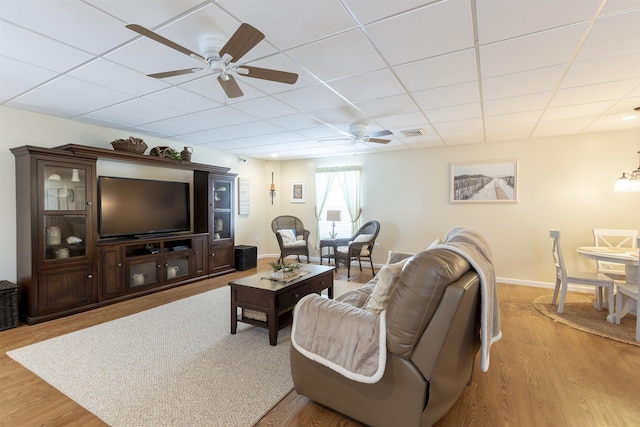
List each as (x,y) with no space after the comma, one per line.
(270,303)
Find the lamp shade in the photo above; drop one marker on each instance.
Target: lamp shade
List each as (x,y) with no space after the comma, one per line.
(333,216)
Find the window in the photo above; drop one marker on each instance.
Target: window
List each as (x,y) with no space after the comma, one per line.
(338,189)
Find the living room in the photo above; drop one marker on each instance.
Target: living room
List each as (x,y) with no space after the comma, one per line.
(567,162)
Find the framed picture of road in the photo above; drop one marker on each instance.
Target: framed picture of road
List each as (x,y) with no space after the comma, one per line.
(492,181)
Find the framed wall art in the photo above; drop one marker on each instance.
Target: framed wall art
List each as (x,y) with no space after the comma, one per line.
(243,196)
(298,193)
(492,181)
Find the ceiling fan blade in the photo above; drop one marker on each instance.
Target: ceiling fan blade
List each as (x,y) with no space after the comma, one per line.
(242,41)
(157,37)
(174,73)
(268,74)
(230,86)
(378,140)
(336,139)
(380,133)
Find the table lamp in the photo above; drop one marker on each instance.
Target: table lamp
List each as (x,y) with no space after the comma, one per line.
(333,216)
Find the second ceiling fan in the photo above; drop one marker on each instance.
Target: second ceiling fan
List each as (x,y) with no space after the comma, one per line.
(358,133)
(220,56)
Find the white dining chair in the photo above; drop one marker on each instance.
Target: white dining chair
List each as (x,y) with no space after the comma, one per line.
(613,238)
(563,278)
(627,294)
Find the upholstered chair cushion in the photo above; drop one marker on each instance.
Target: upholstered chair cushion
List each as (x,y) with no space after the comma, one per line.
(387,277)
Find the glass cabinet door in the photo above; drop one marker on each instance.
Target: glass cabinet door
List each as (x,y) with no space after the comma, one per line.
(222,195)
(65,212)
(64,188)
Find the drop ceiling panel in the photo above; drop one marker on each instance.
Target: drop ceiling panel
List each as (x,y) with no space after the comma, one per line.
(376,84)
(39,50)
(604,69)
(291,23)
(311,98)
(108,74)
(446,70)
(447,96)
(265,108)
(613,34)
(367,11)
(360,58)
(181,99)
(515,104)
(503,20)
(427,32)
(149,13)
(546,49)
(24,75)
(64,20)
(524,83)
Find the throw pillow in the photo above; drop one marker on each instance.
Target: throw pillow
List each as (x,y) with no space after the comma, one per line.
(387,277)
(288,236)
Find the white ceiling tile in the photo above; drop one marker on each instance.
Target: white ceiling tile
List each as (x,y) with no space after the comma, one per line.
(570,126)
(612,122)
(338,116)
(546,49)
(29,47)
(45,102)
(327,59)
(604,69)
(80,90)
(404,121)
(22,73)
(596,92)
(526,119)
(463,137)
(182,100)
(389,105)
(447,96)
(376,84)
(9,89)
(226,116)
(516,104)
(295,121)
(573,111)
(64,20)
(367,11)
(430,31)
(613,34)
(111,75)
(149,13)
(265,108)
(446,70)
(447,128)
(509,133)
(501,20)
(291,23)
(524,83)
(460,112)
(311,98)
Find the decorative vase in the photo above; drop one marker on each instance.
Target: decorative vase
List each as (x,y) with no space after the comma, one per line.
(282,275)
(186,154)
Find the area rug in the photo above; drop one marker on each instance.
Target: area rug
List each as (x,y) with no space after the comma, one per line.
(173,365)
(579,313)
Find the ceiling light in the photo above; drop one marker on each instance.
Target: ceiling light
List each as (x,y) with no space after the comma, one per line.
(629,181)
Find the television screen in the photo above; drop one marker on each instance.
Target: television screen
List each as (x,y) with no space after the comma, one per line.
(130,207)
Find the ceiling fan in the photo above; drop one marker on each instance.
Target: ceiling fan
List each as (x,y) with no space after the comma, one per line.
(218,54)
(358,133)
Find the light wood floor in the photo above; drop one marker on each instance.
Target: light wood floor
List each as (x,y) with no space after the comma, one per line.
(541,374)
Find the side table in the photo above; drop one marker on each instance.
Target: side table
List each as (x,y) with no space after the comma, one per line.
(329,244)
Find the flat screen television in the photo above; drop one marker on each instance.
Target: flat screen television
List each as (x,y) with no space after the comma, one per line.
(130,207)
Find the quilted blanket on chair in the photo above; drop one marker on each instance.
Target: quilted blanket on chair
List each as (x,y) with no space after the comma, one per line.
(323,327)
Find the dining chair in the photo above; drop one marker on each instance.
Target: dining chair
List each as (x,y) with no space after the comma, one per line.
(627,293)
(613,238)
(563,278)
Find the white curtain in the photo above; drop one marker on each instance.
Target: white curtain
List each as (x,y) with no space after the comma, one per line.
(347,179)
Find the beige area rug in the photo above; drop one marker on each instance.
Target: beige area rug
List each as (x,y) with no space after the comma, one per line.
(579,313)
(173,365)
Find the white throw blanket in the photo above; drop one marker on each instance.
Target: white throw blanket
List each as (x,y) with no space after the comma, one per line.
(342,337)
(477,251)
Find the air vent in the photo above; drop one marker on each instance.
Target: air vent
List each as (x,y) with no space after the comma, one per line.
(413,132)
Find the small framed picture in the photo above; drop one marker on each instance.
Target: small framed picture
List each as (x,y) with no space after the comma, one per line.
(298,193)
(493,181)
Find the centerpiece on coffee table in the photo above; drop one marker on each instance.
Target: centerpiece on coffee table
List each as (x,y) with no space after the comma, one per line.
(284,272)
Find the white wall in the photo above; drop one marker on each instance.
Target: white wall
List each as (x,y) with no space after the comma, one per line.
(564,183)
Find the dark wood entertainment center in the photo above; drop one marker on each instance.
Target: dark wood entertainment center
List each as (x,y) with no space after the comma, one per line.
(64,267)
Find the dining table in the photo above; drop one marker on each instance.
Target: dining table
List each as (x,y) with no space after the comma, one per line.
(621,255)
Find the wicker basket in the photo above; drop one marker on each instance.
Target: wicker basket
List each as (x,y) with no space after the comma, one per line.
(8,305)
(132,145)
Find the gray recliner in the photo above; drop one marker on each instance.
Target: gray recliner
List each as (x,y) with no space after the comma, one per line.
(433,325)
